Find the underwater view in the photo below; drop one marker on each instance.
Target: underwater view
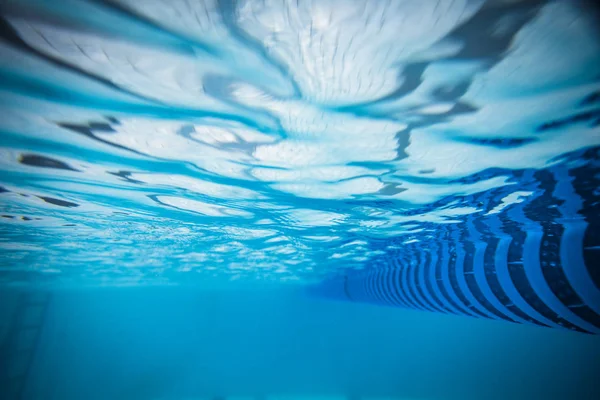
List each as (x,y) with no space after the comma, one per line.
(299,199)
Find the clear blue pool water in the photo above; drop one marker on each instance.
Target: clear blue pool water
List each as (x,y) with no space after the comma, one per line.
(292,199)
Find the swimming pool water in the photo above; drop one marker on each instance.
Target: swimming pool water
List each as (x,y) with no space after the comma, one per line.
(439,156)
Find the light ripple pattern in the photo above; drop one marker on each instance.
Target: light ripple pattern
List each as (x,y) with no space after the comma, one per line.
(437,155)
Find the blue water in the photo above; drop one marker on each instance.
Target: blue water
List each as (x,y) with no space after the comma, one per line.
(343,199)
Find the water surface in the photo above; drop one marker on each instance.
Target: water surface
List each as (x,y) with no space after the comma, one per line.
(440,156)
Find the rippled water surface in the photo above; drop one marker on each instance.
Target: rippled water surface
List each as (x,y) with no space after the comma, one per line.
(169,141)
(188,188)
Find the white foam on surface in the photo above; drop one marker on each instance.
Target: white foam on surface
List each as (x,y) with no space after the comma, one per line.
(343,52)
(513,198)
(201,207)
